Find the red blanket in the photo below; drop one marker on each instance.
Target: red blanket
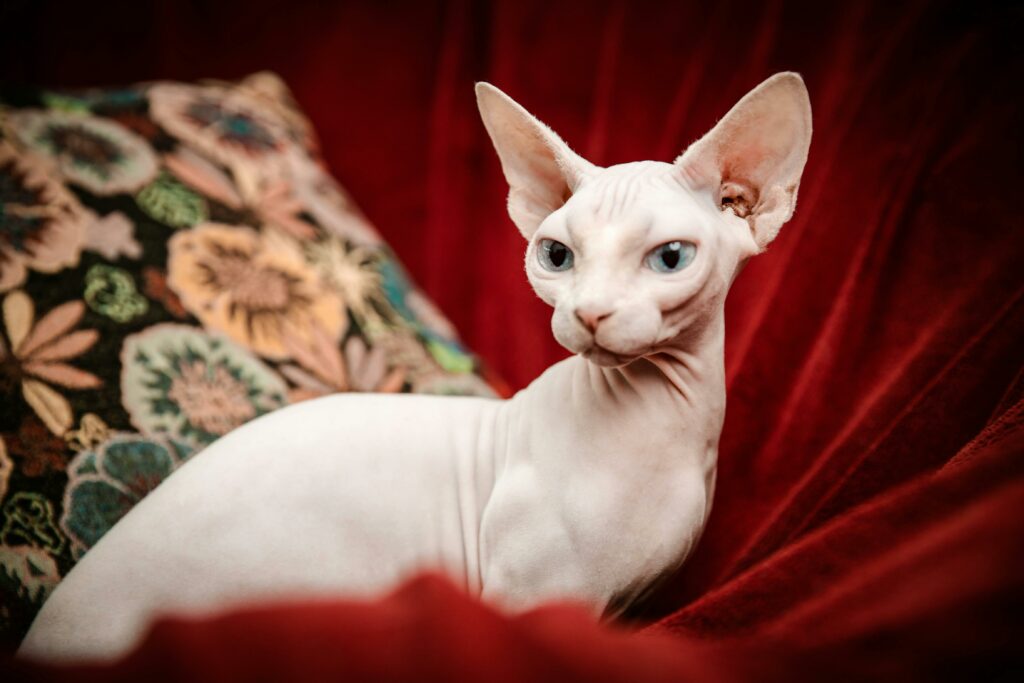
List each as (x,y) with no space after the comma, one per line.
(869,520)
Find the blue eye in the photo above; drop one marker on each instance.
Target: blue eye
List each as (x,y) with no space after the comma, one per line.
(671,257)
(554,256)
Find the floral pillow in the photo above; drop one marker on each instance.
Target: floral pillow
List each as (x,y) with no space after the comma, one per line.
(174,261)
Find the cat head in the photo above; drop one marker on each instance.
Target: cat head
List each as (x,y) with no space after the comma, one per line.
(637,256)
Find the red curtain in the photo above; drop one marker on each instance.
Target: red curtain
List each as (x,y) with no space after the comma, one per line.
(880,336)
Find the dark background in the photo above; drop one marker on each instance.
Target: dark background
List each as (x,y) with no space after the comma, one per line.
(388,86)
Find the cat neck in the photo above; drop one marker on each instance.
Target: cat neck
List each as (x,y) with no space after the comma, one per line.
(666,405)
(687,370)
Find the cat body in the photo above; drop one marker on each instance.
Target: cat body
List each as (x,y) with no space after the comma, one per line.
(589,485)
(456,485)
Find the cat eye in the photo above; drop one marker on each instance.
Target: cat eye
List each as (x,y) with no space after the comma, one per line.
(671,257)
(554,255)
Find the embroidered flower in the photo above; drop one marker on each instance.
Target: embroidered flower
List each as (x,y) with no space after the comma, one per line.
(213,400)
(104,484)
(101,155)
(225,124)
(428,316)
(32,575)
(396,288)
(155,287)
(37,450)
(270,92)
(110,291)
(261,201)
(419,314)
(42,225)
(406,350)
(179,381)
(170,202)
(111,236)
(323,368)
(35,353)
(354,273)
(91,432)
(28,520)
(256,288)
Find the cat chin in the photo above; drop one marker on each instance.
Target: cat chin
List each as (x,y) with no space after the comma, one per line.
(605,358)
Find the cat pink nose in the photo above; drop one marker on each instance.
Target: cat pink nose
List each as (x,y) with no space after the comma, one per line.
(590,318)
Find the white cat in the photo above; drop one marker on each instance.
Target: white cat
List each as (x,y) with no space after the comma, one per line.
(590,484)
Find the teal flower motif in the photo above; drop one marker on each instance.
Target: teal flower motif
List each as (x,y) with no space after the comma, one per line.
(227,125)
(111,292)
(181,382)
(104,484)
(436,332)
(171,202)
(395,285)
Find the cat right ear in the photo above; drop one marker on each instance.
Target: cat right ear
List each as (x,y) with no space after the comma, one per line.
(755,155)
(542,172)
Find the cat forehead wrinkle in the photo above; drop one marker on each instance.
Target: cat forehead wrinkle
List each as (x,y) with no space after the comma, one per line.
(586,217)
(618,190)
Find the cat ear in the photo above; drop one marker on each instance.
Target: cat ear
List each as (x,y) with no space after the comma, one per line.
(755,155)
(542,172)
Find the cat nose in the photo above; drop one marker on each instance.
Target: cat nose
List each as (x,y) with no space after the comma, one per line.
(590,318)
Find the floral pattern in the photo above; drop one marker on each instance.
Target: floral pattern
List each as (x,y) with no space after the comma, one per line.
(225,124)
(27,577)
(37,450)
(354,272)
(99,154)
(181,381)
(266,89)
(35,353)
(111,291)
(28,520)
(264,201)
(323,368)
(254,287)
(92,431)
(170,202)
(174,262)
(104,484)
(112,237)
(42,225)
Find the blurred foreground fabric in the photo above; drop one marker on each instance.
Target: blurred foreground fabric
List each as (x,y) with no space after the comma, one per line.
(868,518)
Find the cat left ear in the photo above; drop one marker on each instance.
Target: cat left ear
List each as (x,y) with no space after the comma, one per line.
(542,172)
(755,155)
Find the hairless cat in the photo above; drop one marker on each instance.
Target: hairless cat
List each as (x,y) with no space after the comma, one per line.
(590,484)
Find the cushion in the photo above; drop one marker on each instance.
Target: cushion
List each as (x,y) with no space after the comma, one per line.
(174,262)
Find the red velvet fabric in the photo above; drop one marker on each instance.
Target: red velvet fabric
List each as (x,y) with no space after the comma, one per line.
(868,518)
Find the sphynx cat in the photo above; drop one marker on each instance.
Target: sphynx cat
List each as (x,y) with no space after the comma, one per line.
(589,485)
